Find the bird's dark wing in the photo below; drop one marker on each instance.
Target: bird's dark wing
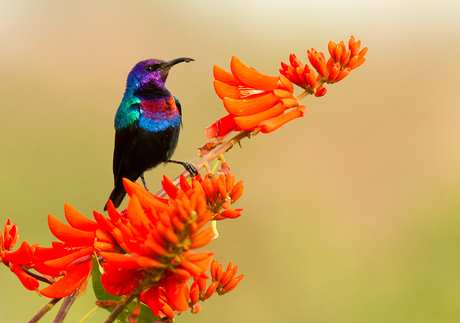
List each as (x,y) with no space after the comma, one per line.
(124,138)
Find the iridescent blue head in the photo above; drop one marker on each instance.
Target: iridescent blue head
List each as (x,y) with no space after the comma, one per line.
(147,79)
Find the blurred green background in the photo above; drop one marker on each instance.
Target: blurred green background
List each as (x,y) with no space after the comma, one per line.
(351,213)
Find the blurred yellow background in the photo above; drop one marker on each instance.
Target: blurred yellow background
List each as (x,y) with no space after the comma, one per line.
(352,213)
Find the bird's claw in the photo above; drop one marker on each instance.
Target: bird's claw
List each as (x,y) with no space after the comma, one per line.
(191,169)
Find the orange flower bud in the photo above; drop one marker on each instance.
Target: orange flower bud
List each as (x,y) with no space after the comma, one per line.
(232,284)
(211,289)
(196,308)
(320,91)
(358,63)
(333,73)
(362,52)
(331,48)
(345,57)
(342,74)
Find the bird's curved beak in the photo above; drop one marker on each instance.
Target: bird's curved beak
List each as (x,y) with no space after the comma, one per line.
(171,63)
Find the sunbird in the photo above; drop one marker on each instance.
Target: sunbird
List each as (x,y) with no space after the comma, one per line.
(147,125)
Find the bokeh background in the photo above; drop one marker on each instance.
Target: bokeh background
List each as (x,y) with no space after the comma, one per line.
(352,213)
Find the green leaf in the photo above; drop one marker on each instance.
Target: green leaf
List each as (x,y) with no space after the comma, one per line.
(146,315)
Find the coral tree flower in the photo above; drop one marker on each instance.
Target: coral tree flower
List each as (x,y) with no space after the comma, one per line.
(156,240)
(252,100)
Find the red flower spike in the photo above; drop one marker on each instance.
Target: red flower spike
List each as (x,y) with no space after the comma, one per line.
(27,281)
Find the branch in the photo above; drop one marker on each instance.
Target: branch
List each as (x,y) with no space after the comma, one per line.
(213,154)
(45,310)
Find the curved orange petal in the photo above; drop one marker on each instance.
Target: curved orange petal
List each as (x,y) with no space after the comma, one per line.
(251,77)
(78,220)
(222,75)
(68,234)
(274,123)
(178,296)
(63,262)
(250,106)
(224,90)
(119,260)
(146,198)
(74,278)
(250,122)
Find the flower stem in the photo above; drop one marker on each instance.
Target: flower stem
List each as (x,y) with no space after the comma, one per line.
(45,310)
(213,154)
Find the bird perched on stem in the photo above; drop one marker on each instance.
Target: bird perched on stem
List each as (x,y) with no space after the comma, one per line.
(147,125)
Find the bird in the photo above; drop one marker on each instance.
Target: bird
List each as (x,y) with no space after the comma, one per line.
(147,125)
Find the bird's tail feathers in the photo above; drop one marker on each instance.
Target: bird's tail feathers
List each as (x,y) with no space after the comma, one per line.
(116,196)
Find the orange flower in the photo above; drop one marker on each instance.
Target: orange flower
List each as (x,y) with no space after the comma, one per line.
(336,68)
(249,97)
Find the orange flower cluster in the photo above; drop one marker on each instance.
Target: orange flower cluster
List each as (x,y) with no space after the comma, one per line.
(258,101)
(253,100)
(335,69)
(147,249)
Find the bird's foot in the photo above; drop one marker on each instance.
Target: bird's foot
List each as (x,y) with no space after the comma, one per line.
(143,182)
(188,167)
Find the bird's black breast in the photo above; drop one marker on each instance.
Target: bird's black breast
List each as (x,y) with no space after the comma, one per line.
(138,150)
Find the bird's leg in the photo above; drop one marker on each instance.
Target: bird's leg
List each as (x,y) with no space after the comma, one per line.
(143,181)
(188,167)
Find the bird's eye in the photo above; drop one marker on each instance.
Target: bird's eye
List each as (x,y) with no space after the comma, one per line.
(151,68)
